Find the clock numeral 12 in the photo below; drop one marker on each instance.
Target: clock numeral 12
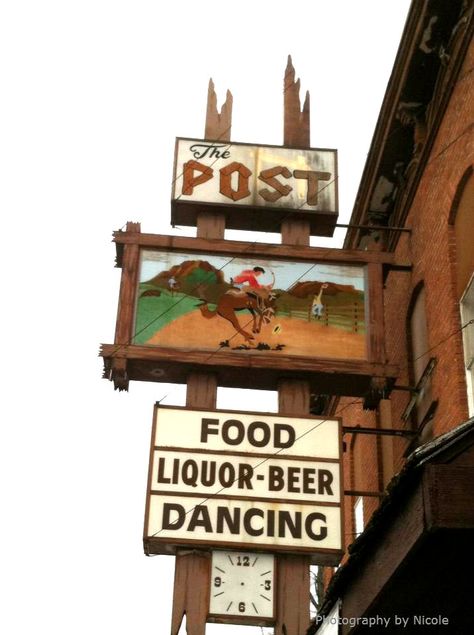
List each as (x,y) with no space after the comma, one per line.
(243,561)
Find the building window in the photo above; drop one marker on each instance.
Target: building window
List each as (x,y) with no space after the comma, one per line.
(462,218)
(421,406)
(359,516)
(467,314)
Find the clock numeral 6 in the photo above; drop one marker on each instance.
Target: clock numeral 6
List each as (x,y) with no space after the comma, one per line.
(242,607)
(268,585)
(217,581)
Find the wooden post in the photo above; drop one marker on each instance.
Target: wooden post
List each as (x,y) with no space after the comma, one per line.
(375,314)
(193,567)
(218,126)
(292,610)
(124,330)
(295,232)
(296,133)
(191,591)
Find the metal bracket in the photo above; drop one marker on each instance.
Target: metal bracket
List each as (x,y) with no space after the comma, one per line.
(430,366)
(394,432)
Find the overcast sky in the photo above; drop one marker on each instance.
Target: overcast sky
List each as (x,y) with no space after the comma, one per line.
(94,94)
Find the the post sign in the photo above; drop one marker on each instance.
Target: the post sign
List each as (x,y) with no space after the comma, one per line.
(245,480)
(257,185)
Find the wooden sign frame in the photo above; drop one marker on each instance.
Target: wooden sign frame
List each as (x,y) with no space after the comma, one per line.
(125,361)
(256,214)
(170,545)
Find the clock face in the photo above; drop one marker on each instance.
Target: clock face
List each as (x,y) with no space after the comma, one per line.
(242,584)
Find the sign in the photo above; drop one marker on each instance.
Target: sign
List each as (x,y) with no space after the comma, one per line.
(234,303)
(249,313)
(247,480)
(262,185)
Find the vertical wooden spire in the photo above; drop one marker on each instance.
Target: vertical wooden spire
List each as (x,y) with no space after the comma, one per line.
(296,131)
(296,134)
(218,125)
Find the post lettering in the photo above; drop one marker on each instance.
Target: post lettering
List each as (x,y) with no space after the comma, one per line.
(243,173)
(313,179)
(189,180)
(268,177)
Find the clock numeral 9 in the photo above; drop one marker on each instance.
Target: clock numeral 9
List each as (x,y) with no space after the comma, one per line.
(242,607)
(268,585)
(217,581)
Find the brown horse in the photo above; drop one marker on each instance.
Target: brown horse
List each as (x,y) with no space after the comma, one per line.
(260,303)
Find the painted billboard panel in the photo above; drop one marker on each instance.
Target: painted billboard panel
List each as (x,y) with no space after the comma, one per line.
(209,302)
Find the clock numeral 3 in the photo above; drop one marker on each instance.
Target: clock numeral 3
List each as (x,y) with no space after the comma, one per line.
(268,585)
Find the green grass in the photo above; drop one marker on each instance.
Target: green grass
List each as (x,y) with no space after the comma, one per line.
(154,313)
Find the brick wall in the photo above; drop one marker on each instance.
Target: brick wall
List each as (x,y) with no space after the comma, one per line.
(431,249)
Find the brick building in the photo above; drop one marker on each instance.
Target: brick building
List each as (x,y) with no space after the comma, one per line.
(411,511)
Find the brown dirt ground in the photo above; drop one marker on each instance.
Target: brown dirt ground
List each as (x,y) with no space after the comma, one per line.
(298,336)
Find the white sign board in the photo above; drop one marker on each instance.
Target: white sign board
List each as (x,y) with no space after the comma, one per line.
(248,480)
(229,174)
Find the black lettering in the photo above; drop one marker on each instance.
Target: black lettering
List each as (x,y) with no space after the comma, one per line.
(293,479)
(226,474)
(231,520)
(247,522)
(208,476)
(308,525)
(189,473)
(161,471)
(206,429)
(238,425)
(175,477)
(200,518)
(245,476)
(201,150)
(284,518)
(265,428)
(167,523)
(308,480)
(281,428)
(325,479)
(270,523)
(275,478)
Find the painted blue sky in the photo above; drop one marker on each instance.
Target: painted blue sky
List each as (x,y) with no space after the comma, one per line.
(287,273)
